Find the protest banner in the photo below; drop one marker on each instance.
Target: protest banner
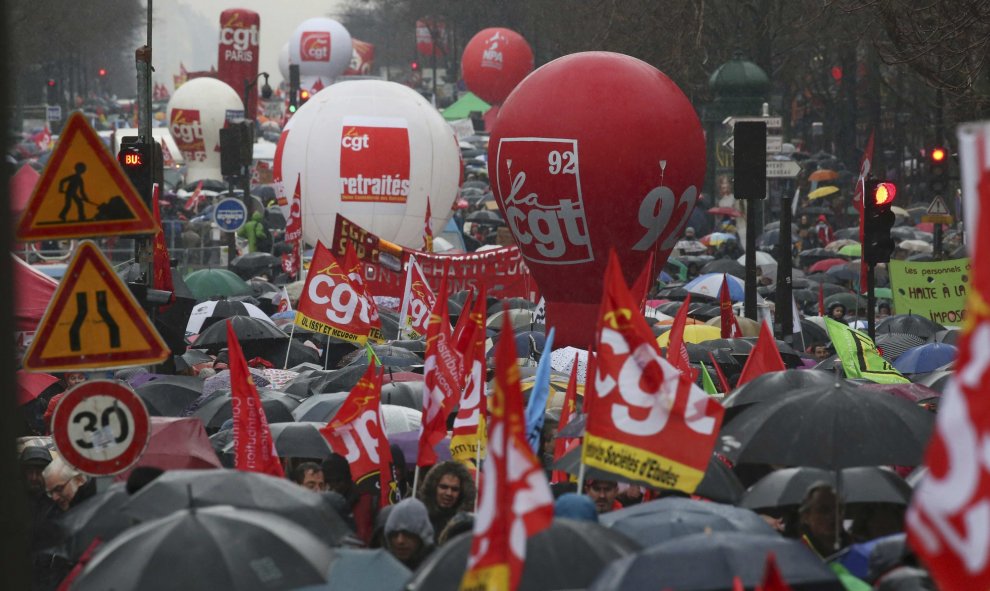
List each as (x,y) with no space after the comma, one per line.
(935,290)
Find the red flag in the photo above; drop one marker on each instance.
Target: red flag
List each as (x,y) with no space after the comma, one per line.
(443,379)
(162,261)
(821,299)
(461,336)
(651,424)
(763,358)
(643,283)
(332,304)
(865,165)
(254,449)
(730,326)
(428,228)
(718,370)
(948,516)
(563,445)
(293,228)
(467,439)
(388,490)
(772,579)
(355,272)
(417,302)
(197,198)
(677,353)
(515,501)
(290,260)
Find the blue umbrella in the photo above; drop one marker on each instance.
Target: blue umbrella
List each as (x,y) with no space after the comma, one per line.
(925,358)
(710,284)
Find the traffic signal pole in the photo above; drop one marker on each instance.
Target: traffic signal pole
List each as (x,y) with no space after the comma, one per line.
(142,59)
(871,301)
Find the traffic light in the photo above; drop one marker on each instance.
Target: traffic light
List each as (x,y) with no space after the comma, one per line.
(938,170)
(303,96)
(102,72)
(293,87)
(135,158)
(52,92)
(878,219)
(236,148)
(414,66)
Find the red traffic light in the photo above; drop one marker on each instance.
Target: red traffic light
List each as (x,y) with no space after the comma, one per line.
(102,72)
(414,66)
(303,95)
(51,82)
(938,154)
(884,193)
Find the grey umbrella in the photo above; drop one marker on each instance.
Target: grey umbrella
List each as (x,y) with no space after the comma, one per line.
(863,484)
(668,518)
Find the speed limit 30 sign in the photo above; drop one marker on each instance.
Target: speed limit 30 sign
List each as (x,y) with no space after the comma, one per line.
(101,427)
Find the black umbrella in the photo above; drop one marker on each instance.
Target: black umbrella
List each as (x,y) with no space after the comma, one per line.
(210,548)
(814,334)
(936,380)
(832,426)
(658,521)
(408,394)
(215,409)
(813,255)
(390,324)
(892,344)
(97,517)
(864,484)
(273,351)
(417,346)
(847,234)
(567,555)
(254,263)
(910,324)
(707,562)
(320,408)
(728,266)
(299,440)
(211,312)
(246,328)
(773,386)
(260,287)
(389,356)
(168,396)
(178,489)
(485,217)
(358,568)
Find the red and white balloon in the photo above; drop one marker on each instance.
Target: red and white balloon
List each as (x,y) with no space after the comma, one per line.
(587,180)
(322,48)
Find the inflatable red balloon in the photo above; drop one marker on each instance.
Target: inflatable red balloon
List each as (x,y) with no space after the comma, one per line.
(618,165)
(494,62)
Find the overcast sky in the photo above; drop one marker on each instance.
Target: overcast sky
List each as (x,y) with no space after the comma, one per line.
(187,31)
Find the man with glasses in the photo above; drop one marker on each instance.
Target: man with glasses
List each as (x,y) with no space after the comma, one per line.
(66,486)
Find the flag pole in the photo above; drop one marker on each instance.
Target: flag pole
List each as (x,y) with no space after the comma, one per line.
(288,347)
(581,476)
(477,472)
(326,354)
(415,480)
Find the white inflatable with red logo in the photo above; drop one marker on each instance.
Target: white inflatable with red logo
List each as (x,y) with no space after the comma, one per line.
(374,152)
(322,48)
(584,181)
(196,112)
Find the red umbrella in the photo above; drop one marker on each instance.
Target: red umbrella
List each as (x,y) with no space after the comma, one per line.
(730,211)
(825,265)
(29,385)
(401,376)
(177,443)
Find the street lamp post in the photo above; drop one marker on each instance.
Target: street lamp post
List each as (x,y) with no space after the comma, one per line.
(266,92)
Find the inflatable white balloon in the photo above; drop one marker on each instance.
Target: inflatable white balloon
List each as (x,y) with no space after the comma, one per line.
(374,152)
(322,48)
(196,112)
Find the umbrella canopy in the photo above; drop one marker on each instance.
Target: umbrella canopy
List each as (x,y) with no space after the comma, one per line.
(693,333)
(852,250)
(893,344)
(221,548)
(919,246)
(358,568)
(708,562)
(207,314)
(246,328)
(813,255)
(168,396)
(710,285)
(668,518)
(826,264)
(299,440)
(909,324)
(97,517)
(762,258)
(408,394)
(178,489)
(729,211)
(823,174)
(485,217)
(250,264)
(823,192)
(772,386)
(841,427)
(717,238)
(408,444)
(215,409)
(211,283)
(567,555)
(912,392)
(319,408)
(177,444)
(690,246)
(725,266)
(925,358)
(30,385)
(849,300)
(388,355)
(864,484)
(749,327)
(836,245)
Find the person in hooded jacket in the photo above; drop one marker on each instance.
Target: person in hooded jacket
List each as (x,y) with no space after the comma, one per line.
(256,233)
(447,490)
(408,533)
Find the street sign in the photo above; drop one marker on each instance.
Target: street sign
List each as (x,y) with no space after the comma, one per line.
(772,122)
(782,169)
(937,212)
(230,214)
(93,322)
(83,192)
(775,143)
(101,427)
(53,113)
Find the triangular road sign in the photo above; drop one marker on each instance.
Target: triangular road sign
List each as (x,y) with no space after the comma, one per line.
(93,321)
(83,192)
(937,207)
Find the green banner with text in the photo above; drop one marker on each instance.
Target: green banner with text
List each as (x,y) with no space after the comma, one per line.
(935,290)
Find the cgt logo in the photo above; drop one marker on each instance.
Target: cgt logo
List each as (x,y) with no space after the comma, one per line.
(239,37)
(187,129)
(354,141)
(551,228)
(314,46)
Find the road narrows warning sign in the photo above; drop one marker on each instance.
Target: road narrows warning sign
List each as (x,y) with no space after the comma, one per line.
(93,321)
(83,192)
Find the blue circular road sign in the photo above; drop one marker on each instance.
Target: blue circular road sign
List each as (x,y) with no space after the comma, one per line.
(230,214)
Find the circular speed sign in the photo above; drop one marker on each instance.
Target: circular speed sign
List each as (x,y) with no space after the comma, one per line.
(101,427)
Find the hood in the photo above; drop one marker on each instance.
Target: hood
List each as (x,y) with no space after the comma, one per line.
(410,515)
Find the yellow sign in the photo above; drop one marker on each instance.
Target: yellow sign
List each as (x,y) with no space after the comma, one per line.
(93,321)
(83,192)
